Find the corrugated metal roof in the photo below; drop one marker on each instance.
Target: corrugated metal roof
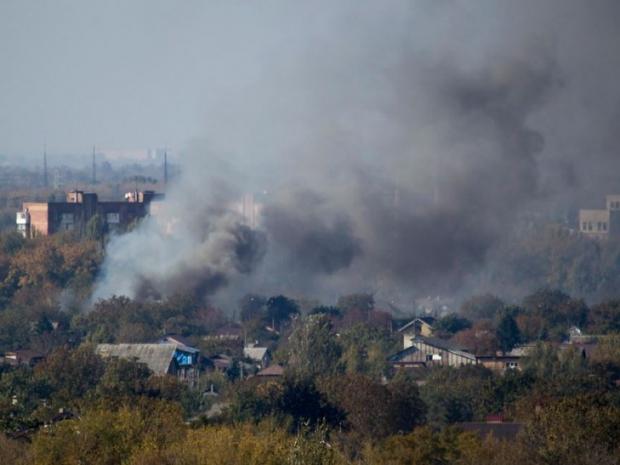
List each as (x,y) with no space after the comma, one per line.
(255,353)
(429,320)
(273,370)
(156,356)
(445,345)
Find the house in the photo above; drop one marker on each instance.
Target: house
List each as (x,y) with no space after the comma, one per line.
(421,326)
(499,363)
(411,357)
(175,339)
(222,362)
(260,355)
(601,223)
(22,357)
(230,332)
(273,371)
(429,351)
(162,359)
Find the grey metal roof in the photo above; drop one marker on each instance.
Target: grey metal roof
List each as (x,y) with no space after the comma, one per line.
(429,320)
(255,353)
(403,353)
(444,345)
(156,356)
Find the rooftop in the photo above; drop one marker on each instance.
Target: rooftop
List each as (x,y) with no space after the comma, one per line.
(156,356)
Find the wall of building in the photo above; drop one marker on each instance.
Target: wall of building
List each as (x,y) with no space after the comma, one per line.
(39,220)
(595,222)
(448,358)
(75,213)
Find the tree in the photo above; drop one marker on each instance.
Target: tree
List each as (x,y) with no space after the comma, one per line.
(605,318)
(479,307)
(13,452)
(481,338)
(11,243)
(451,324)
(71,374)
(252,306)
(422,447)
(104,436)
(280,309)
(574,430)
(507,333)
(557,309)
(374,410)
(312,347)
(458,394)
(362,301)
(95,228)
(365,350)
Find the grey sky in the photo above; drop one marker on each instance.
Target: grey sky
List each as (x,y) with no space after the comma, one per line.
(119,74)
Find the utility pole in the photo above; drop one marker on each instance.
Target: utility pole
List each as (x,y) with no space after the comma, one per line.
(94,167)
(45,165)
(165,167)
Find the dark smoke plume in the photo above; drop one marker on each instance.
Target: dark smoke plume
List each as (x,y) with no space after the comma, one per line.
(399,144)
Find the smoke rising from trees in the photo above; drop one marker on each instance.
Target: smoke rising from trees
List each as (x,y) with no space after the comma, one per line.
(398,144)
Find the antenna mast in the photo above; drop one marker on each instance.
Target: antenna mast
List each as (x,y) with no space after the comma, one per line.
(165,166)
(45,165)
(94,167)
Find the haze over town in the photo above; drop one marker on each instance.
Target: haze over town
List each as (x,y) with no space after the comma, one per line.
(352,232)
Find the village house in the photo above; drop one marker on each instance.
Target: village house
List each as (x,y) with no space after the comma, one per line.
(428,351)
(162,359)
(421,349)
(601,223)
(421,326)
(22,357)
(260,355)
(272,371)
(229,332)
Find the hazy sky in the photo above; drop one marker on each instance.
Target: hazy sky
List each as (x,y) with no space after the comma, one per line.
(121,74)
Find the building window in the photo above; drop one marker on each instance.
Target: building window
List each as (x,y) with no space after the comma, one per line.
(113,218)
(590,226)
(604,226)
(584,226)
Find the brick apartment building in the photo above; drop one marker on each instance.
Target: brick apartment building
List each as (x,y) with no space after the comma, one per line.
(45,218)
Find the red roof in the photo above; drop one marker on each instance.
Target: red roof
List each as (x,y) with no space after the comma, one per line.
(273,370)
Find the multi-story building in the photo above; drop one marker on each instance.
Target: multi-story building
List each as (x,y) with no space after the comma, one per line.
(599,223)
(45,218)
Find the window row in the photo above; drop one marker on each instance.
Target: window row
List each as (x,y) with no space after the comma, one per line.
(589,226)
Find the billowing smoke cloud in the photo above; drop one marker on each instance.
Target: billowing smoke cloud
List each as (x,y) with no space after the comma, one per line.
(181,251)
(397,144)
